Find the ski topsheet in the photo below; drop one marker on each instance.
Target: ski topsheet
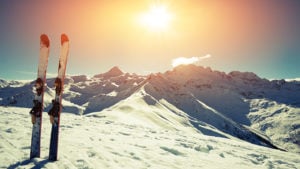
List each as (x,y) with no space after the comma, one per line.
(55,111)
(37,110)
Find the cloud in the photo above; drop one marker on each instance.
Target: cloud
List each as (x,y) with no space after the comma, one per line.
(187,61)
(295,79)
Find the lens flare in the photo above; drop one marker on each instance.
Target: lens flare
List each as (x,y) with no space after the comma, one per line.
(157,18)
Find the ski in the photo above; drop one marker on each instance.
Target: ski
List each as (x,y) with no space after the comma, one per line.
(55,111)
(37,110)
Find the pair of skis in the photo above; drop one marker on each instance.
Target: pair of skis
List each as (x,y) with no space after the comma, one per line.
(37,110)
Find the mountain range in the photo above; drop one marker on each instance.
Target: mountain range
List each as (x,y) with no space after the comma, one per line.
(235,105)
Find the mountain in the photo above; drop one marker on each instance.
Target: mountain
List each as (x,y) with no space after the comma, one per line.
(113,72)
(236,106)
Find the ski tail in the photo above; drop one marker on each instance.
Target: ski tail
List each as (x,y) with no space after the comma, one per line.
(45,40)
(64,38)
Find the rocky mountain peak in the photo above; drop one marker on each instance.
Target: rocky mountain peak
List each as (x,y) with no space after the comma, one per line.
(113,72)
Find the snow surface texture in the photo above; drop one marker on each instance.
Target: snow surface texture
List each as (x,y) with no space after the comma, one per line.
(189,103)
(102,140)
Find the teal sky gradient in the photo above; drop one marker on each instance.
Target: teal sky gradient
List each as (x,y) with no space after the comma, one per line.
(260,36)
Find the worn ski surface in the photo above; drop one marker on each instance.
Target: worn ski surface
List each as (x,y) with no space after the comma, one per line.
(56,107)
(37,110)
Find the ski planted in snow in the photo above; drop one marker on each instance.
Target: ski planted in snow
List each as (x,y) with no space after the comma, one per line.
(37,110)
(55,111)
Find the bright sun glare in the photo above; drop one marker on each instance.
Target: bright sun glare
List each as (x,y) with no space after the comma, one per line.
(156,19)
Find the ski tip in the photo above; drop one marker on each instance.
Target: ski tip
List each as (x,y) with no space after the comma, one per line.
(45,40)
(64,38)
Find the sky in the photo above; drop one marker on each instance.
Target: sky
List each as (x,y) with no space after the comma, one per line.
(260,36)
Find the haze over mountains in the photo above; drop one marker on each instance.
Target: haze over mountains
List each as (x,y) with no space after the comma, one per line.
(237,105)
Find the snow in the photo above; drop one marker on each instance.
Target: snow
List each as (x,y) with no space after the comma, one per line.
(97,141)
(113,94)
(188,117)
(280,122)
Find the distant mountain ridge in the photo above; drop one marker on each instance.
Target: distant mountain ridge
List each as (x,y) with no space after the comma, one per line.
(235,105)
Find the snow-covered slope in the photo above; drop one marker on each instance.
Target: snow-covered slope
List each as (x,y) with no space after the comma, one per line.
(237,105)
(107,140)
(280,122)
(209,96)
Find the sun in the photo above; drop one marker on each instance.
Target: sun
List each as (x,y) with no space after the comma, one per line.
(156,19)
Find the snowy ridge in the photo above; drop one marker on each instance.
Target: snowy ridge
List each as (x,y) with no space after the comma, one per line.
(237,105)
(203,117)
